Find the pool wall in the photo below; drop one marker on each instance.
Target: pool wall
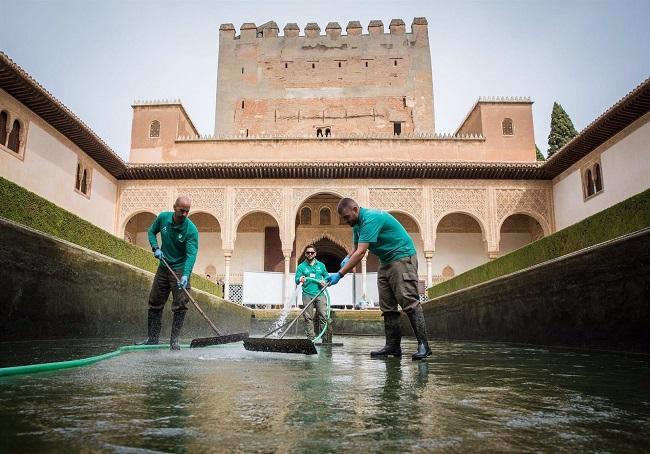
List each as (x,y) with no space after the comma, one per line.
(55,289)
(595,298)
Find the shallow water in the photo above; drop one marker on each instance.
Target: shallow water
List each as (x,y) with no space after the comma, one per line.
(467,397)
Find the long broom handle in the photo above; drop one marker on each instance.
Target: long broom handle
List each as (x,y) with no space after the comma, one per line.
(198,308)
(286,323)
(303,311)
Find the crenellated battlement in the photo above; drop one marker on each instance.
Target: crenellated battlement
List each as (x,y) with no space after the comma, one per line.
(312,30)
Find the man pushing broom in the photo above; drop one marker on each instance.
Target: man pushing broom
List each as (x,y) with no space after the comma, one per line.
(397,279)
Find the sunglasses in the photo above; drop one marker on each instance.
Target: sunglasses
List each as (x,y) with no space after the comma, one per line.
(310,252)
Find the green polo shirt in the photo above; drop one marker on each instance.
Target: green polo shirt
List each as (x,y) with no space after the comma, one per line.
(315,271)
(387,238)
(180,242)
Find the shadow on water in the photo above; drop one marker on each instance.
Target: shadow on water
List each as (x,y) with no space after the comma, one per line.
(467,397)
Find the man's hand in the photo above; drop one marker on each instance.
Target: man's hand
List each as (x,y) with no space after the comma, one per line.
(322,283)
(302,279)
(345,261)
(158,253)
(333,278)
(183,282)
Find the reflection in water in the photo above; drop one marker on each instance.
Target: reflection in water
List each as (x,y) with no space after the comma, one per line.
(467,397)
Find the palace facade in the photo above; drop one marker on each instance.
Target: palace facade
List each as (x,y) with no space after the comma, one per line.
(303,120)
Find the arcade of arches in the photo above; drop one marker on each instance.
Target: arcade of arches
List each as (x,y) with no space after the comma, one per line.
(268,228)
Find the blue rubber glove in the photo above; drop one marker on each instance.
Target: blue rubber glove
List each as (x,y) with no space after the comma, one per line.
(345,261)
(333,278)
(183,282)
(158,253)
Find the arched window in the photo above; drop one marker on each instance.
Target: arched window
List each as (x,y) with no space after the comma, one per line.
(328,132)
(590,183)
(598,178)
(506,126)
(305,216)
(154,129)
(325,216)
(77,184)
(4,118)
(319,132)
(84,182)
(14,137)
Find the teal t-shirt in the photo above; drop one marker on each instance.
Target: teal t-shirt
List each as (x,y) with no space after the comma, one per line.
(315,271)
(388,239)
(180,242)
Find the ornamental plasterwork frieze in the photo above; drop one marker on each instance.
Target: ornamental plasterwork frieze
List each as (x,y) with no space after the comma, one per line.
(210,200)
(397,199)
(525,200)
(268,200)
(150,199)
(465,200)
(300,195)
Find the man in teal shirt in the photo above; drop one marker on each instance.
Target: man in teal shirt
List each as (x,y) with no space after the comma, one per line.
(397,278)
(310,269)
(180,244)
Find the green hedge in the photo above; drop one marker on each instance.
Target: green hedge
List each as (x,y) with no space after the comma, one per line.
(19,205)
(625,217)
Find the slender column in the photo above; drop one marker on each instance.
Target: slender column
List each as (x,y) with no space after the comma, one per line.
(428,255)
(227,255)
(364,278)
(286,288)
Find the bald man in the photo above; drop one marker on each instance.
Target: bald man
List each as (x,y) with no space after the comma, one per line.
(397,278)
(180,244)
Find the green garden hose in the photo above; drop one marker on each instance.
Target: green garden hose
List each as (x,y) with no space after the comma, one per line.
(46,367)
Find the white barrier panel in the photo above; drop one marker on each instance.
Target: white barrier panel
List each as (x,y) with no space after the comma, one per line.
(265,287)
(262,287)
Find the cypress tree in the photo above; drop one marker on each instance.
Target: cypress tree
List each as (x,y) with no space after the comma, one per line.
(562,129)
(538,153)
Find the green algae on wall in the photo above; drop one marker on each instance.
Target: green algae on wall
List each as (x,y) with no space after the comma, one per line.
(628,216)
(24,207)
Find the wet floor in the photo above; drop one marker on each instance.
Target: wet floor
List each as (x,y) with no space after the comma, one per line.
(467,397)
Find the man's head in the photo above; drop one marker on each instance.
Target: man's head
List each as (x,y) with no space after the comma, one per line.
(181,209)
(348,211)
(310,253)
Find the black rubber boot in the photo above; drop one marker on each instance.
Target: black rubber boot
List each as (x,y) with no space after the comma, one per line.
(416,317)
(177,324)
(154,324)
(393,336)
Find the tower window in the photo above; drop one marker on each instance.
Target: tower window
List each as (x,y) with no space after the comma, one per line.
(397,128)
(154,129)
(328,132)
(319,132)
(286,65)
(590,184)
(83,179)
(4,118)
(598,178)
(242,70)
(313,66)
(242,104)
(394,62)
(366,64)
(339,64)
(507,127)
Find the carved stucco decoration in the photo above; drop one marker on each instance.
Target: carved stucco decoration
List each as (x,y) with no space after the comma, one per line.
(152,199)
(408,201)
(340,237)
(210,200)
(300,195)
(268,200)
(464,200)
(532,201)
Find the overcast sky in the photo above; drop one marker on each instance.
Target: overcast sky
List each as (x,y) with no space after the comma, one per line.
(99,56)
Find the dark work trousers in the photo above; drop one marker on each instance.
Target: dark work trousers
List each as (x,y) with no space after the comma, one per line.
(314,324)
(398,285)
(163,283)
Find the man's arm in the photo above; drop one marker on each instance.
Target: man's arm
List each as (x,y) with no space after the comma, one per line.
(356,256)
(300,272)
(153,230)
(191,248)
